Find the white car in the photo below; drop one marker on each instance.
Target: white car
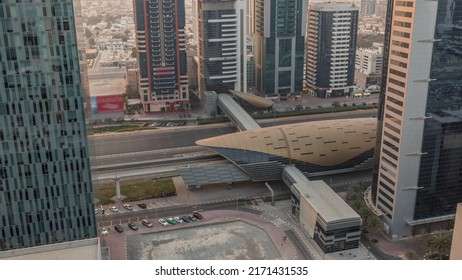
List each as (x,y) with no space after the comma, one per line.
(114,209)
(163,222)
(147,223)
(128,207)
(104,231)
(178,220)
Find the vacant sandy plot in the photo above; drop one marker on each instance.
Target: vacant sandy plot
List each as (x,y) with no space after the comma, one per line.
(223,241)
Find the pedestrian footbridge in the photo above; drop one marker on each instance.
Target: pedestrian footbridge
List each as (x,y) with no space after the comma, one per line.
(236,113)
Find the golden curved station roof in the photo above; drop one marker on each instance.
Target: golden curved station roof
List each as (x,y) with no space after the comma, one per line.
(324,143)
(253,100)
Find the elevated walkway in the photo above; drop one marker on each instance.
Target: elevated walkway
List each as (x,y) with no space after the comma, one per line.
(236,114)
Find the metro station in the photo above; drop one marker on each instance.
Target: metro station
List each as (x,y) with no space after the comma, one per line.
(293,153)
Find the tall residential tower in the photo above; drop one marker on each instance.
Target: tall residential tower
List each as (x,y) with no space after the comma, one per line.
(160,40)
(45,181)
(418,172)
(279,42)
(222,44)
(331,49)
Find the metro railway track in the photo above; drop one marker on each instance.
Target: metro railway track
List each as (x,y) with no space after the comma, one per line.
(159,163)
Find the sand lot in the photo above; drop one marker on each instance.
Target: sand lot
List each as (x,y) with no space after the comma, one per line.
(222,241)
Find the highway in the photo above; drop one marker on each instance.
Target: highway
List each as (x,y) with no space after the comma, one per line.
(165,139)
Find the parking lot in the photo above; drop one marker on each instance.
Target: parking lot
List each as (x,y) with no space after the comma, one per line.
(221,241)
(220,234)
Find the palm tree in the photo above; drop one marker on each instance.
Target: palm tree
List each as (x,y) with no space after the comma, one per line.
(439,244)
(374,225)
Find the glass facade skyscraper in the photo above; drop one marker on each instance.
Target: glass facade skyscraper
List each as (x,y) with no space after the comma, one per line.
(418,175)
(279,42)
(45,181)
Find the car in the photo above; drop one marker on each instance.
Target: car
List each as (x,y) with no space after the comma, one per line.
(97,211)
(163,222)
(128,207)
(146,223)
(178,220)
(197,215)
(142,205)
(171,221)
(105,231)
(185,219)
(192,218)
(133,226)
(114,209)
(119,228)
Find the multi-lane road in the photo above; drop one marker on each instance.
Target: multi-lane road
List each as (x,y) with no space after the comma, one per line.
(165,149)
(168,139)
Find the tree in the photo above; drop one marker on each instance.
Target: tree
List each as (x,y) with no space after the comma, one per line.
(374,225)
(411,255)
(88,33)
(439,244)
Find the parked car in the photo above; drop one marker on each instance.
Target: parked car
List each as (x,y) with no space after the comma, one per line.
(163,222)
(171,221)
(114,209)
(185,219)
(178,220)
(197,215)
(104,231)
(146,223)
(128,207)
(119,228)
(192,218)
(141,205)
(133,226)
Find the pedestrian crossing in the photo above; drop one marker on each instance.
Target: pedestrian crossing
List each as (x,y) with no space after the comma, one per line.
(163,203)
(279,222)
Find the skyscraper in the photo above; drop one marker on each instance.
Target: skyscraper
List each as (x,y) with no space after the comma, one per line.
(418,171)
(160,40)
(331,49)
(222,45)
(279,42)
(45,181)
(368,7)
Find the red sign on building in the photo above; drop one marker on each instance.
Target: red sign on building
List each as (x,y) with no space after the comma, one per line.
(110,104)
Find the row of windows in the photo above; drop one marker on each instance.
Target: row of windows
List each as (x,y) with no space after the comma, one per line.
(404,3)
(403,14)
(392,128)
(391,155)
(395,91)
(402,24)
(400,54)
(401,34)
(394,138)
(397,73)
(400,44)
(396,82)
(395,101)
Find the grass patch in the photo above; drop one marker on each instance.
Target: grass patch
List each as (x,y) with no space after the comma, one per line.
(118,128)
(136,191)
